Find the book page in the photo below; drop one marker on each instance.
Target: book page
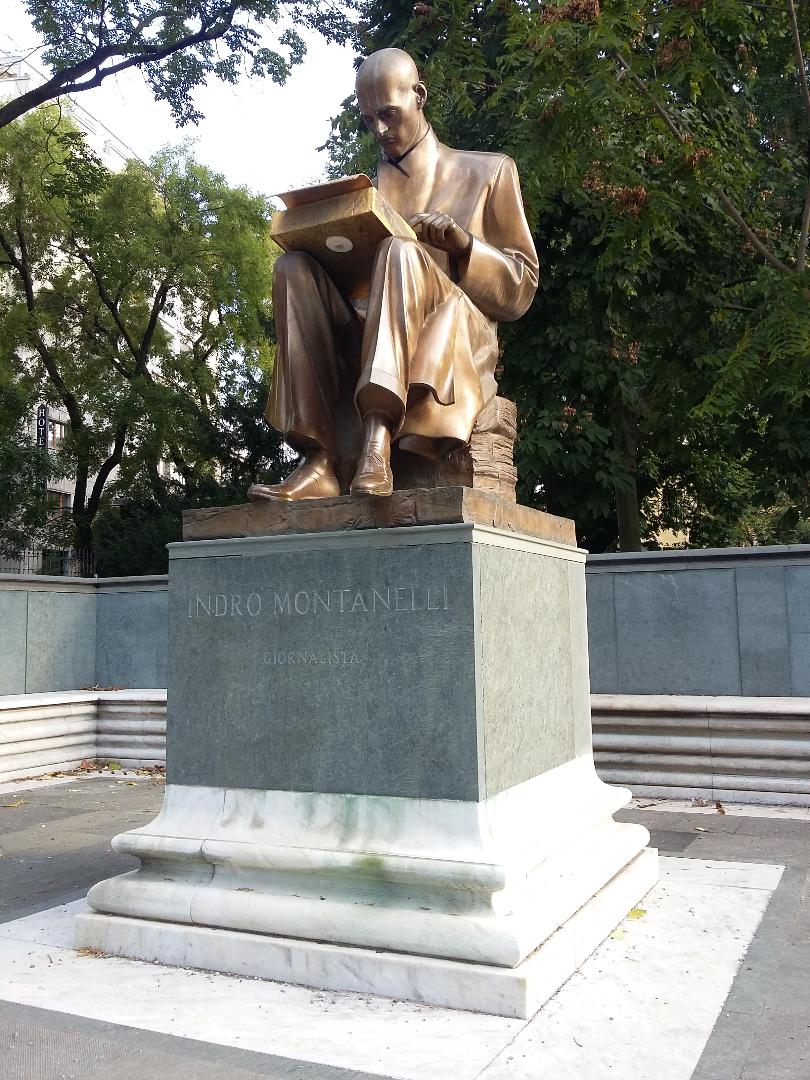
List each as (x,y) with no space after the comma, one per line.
(318,192)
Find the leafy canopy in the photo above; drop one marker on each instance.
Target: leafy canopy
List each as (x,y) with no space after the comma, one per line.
(661,374)
(123,297)
(178,45)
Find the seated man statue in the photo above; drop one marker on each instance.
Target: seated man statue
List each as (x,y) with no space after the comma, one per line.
(420,360)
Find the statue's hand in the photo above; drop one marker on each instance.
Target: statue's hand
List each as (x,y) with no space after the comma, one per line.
(440,231)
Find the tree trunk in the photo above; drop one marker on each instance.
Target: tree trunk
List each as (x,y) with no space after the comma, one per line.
(627,512)
(628,518)
(82,530)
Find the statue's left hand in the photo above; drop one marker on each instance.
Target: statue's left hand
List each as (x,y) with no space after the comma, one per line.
(440,231)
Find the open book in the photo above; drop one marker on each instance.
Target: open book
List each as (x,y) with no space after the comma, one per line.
(340,224)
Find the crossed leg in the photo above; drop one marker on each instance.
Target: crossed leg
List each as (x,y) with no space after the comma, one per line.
(413,319)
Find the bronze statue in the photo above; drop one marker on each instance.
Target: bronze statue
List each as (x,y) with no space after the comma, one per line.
(419,358)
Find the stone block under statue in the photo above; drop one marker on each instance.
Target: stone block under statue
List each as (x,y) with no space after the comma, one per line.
(380,775)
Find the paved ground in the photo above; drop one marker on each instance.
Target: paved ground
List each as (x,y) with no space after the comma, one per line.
(54,843)
(763,1032)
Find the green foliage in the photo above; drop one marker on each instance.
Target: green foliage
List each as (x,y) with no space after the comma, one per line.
(139,302)
(177,45)
(24,471)
(130,537)
(661,375)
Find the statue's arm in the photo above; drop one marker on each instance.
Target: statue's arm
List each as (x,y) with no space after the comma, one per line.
(502,270)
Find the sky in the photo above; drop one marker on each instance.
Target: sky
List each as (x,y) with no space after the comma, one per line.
(257,134)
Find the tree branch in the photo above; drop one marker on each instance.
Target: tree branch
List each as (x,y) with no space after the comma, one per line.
(801,254)
(684,136)
(659,108)
(23,269)
(115,458)
(67,81)
(106,299)
(797,46)
(154,316)
(748,232)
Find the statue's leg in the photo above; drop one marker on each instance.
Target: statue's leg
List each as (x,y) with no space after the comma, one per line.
(312,320)
(408,290)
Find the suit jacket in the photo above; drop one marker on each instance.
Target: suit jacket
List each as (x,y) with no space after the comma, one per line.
(481,192)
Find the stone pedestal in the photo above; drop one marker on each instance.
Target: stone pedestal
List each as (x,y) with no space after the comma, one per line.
(380,774)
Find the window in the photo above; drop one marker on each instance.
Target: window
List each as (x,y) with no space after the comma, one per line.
(57,433)
(11,69)
(57,502)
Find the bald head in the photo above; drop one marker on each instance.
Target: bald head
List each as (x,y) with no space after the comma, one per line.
(394,66)
(391,98)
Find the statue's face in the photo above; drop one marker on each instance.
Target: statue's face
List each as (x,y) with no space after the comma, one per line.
(392,111)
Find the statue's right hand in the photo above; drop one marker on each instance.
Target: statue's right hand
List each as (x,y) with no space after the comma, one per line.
(442,232)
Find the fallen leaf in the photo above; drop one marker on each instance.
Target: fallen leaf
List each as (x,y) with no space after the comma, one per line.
(12,805)
(113,766)
(617,935)
(637,913)
(699,802)
(720,809)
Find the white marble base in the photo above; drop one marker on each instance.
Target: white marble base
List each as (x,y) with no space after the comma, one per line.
(486,906)
(483,882)
(517,992)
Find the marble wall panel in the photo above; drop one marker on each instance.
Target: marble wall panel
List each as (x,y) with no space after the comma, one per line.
(14,623)
(61,651)
(677,632)
(763,630)
(797,588)
(602,633)
(131,638)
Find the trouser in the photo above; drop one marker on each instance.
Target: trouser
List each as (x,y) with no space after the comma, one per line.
(425,356)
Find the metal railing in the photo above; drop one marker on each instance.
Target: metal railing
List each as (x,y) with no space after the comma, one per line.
(54,562)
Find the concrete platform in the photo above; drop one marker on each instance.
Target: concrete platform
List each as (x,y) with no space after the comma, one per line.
(696,985)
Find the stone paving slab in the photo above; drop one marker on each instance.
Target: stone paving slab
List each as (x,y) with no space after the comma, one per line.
(55,844)
(40,1044)
(763,1032)
(55,838)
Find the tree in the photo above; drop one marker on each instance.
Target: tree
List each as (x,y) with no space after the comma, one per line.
(178,45)
(663,149)
(123,296)
(24,472)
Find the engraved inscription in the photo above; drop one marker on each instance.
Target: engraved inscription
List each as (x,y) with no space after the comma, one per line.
(380,600)
(310,656)
(220,605)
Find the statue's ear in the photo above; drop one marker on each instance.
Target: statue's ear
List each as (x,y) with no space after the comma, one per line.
(421,94)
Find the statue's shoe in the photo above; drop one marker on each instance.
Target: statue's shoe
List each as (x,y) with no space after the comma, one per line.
(373,475)
(311,480)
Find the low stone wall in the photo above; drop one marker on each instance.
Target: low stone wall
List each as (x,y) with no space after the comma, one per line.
(73,633)
(733,749)
(42,733)
(726,622)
